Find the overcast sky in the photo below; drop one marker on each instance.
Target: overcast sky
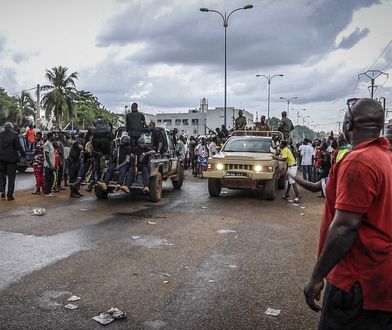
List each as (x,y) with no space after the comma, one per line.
(167,55)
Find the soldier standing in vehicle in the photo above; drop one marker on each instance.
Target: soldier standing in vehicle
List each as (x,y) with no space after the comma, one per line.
(285,126)
(135,122)
(240,122)
(156,138)
(262,126)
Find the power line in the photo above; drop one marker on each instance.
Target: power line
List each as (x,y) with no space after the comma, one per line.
(379,56)
(24,90)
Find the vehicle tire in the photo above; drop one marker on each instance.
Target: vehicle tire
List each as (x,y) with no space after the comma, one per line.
(21,169)
(270,189)
(214,187)
(177,184)
(282,182)
(156,188)
(100,194)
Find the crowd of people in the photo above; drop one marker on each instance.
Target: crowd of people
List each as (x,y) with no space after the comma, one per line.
(353,171)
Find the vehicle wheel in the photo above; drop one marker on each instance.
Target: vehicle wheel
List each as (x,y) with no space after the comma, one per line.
(282,182)
(270,189)
(177,184)
(100,194)
(214,187)
(156,188)
(21,169)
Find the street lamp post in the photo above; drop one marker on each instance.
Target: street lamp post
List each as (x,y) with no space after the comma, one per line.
(298,111)
(288,100)
(225,25)
(269,78)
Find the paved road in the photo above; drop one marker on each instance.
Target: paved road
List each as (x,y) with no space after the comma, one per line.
(187,262)
(25,180)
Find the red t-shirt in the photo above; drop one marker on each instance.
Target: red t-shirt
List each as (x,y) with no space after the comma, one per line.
(362,183)
(31,135)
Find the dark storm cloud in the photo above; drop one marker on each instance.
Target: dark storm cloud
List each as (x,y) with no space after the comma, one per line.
(353,38)
(279,33)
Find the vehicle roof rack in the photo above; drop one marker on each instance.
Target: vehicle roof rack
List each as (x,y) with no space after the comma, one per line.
(269,134)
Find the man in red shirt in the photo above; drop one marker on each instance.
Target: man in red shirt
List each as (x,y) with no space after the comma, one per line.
(355,249)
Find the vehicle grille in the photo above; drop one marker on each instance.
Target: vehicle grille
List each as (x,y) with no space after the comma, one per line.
(238,167)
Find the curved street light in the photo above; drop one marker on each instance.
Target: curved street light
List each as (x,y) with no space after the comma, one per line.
(288,100)
(225,19)
(269,78)
(298,111)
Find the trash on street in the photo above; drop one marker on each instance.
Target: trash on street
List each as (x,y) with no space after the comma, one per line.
(73,298)
(151,223)
(302,214)
(71,306)
(39,212)
(225,231)
(211,281)
(204,207)
(135,237)
(83,210)
(272,312)
(109,316)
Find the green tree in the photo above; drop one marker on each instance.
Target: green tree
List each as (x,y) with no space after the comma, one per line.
(24,108)
(7,106)
(88,109)
(58,102)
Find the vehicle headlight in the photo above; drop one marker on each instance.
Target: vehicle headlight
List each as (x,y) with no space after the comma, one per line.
(219,167)
(258,168)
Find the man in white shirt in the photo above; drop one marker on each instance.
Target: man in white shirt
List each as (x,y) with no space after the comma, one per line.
(307,159)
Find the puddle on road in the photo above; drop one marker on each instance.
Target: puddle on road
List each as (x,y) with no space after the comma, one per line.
(21,254)
(157,324)
(49,299)
(148,241)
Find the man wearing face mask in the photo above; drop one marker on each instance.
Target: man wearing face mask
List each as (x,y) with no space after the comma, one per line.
(355,248)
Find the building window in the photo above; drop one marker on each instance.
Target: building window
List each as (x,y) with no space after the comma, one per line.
(195,121)
(194,131)
(177,122)
(168,122)
(185,122)
(159,120)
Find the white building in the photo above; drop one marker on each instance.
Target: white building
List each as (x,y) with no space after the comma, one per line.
(200,121)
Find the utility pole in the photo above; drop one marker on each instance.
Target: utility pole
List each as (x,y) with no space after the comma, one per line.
(37,107)
(372,75)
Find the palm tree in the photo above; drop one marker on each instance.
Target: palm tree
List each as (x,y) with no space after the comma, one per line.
(58,102)
(24,107)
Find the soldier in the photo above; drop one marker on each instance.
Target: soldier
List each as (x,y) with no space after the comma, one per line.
(285,126)
(262,126)
(240,122)
(135,122)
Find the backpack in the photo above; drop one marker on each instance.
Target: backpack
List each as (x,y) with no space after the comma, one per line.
(101,128)
(164,140)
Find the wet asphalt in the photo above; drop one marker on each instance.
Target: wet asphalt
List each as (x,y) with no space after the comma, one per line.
(187,262)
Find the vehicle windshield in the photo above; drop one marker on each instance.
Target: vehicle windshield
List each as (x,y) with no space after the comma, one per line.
(247,145)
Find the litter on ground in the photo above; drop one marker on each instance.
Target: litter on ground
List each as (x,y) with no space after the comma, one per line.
(83,210)
(109,316)
(204,207)
(39,212)
(73,298)
(211,281)
(302,214)
(71,306)
(272,312)
(135,237)
(151,223)
(225,231)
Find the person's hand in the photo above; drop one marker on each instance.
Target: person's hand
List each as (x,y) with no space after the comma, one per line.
(312,292)
(142,157)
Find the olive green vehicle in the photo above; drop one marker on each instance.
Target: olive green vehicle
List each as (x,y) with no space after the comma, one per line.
(246,162)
